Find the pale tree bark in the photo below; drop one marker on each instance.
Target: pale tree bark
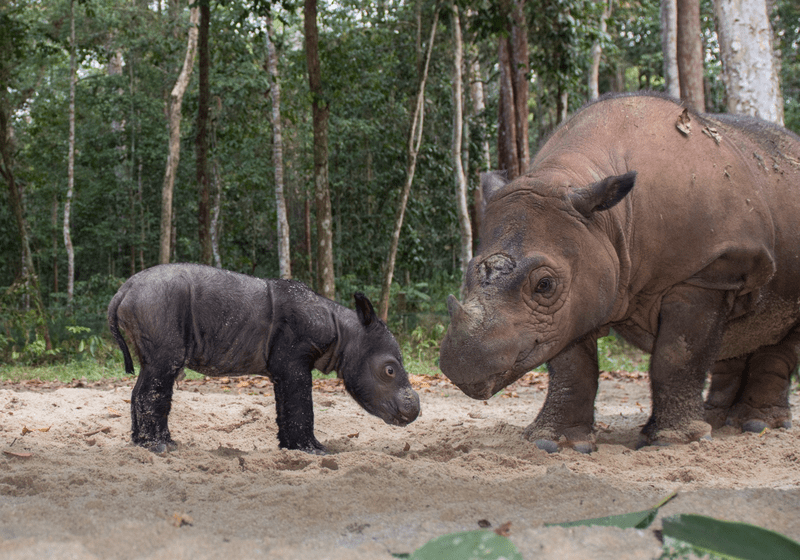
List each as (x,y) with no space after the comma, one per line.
(70,160)
(201,139)
(690,54)
(284,255)
(749,71)
(414,141)
(669,46)
(320,109)
(462,209)
(478,97)
(597,53)
(173,156)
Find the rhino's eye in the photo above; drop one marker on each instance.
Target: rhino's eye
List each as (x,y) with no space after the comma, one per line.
(545,286)
(389,371)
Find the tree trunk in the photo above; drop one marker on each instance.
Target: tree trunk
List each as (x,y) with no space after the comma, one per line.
(520,68)
(284,255)
(479,107)
(70,160)
(597,53)
(322,197)
(690,54)
(750,75)
(414,141)
(669,46)
(174,153)
(507,156)
(462,208)
(201,140)
(27,275)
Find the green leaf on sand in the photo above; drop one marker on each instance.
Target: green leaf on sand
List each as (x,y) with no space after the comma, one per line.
(468,545)
(729,539)
(635,520)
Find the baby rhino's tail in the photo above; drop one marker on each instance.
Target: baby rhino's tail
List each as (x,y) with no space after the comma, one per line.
(113,325)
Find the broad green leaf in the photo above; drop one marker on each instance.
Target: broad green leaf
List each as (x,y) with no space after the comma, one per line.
(729,539)
(468,545)
(635,520)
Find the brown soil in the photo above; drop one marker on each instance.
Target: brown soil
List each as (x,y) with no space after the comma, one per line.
(71,485)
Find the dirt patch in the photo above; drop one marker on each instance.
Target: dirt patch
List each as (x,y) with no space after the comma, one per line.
(72,486)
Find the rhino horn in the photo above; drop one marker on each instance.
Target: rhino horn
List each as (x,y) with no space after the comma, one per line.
(453,305)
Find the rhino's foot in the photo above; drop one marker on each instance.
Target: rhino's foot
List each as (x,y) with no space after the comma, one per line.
(313,447)
(692,430)
(551,440)
(716,416)
(751,419)
(158,447)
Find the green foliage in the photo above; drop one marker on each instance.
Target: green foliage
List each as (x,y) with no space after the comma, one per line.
(615,354)
(637,520)
(714,538)
(467,545)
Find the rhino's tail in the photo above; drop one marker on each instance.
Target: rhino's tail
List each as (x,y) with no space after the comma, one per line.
(113,325)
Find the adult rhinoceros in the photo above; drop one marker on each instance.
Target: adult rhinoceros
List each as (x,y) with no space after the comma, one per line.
(680,231)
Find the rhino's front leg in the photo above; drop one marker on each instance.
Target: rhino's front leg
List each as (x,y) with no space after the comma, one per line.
(295,409)
(691,324)
(567,416)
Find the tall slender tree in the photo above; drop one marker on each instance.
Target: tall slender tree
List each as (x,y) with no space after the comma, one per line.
(174,105)
(201,139)
(70,158)
(669,46)
(462,208)
(414,141)
(284,255)
(320,109)
(690,54)
(512,143)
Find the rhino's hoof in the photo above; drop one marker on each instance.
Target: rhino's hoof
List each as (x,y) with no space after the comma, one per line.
(546,445)
(585,447)
(757,426)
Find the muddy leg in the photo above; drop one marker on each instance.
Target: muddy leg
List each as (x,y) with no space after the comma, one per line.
(151,401)
(764,399)
(726,381)
(567,416)
(295,410)
(687,344)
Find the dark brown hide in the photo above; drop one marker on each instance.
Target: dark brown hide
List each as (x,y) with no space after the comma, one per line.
(678,230)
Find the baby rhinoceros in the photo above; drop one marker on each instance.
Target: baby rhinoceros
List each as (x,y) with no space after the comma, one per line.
(218,323)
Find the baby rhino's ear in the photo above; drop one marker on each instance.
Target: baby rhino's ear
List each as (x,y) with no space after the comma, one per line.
(364,309)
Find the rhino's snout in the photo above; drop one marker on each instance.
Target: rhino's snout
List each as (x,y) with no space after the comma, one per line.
(407,408)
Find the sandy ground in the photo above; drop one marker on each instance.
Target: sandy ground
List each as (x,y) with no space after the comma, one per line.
(71,485)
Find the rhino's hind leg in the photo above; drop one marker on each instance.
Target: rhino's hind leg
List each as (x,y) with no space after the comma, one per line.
(763,401)
(726,383)
(567,416)
(151,401)
(689,338)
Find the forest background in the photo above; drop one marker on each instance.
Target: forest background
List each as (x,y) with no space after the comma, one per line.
(340,144)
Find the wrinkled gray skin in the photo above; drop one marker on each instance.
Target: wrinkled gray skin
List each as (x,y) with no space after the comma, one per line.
(687,243)
(219,323)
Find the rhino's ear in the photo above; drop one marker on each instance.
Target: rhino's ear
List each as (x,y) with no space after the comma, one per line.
(491,182)
(364,309)
(603,194)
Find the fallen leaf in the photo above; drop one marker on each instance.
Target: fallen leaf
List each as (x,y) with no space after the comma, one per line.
(21,455)
(484,523)
(113,412)
(25,430)
(181,519)
(47,429)
(407,446)
(355,435)
(504,530)
(683,123)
